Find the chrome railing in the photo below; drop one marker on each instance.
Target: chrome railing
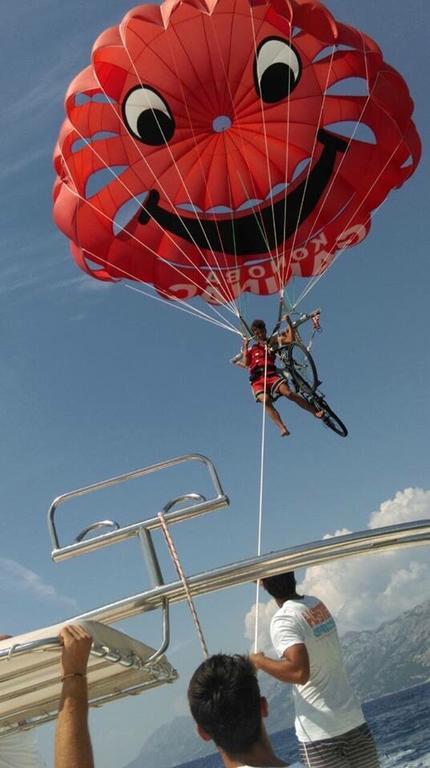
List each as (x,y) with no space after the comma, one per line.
(200,506)
(367,542)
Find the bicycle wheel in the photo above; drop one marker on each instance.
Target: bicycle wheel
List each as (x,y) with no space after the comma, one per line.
(330,419)
(302,368)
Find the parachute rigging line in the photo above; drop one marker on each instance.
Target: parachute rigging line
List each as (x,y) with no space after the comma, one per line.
(316,278)
(310,166)
(242,140)
(263,120)
(118,178)
(172,157)
(205,175)
(189,311)
(109,218)
(205,115)
(177,303)
(284,278)
(260,498)
(192,309)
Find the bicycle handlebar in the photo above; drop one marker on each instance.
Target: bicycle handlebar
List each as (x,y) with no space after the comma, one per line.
(303,318)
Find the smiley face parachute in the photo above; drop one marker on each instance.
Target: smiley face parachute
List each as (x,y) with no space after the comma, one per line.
(215,147)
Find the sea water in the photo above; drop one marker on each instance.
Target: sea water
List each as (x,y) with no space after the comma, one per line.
(400,723)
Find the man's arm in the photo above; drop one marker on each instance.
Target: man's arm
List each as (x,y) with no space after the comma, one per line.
(293,667)
(287,335)
(240,359)
(72,738)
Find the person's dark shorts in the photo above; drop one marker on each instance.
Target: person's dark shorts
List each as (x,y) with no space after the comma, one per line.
(353,749)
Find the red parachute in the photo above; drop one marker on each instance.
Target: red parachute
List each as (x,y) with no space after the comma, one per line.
(221,146)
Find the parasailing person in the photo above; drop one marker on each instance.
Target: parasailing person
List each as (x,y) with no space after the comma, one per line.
(266,382)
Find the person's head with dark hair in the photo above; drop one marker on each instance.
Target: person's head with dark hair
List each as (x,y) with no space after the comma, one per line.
(281,587)
(227,706)
(259,330)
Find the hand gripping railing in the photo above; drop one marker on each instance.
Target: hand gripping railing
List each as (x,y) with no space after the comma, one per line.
(30,684)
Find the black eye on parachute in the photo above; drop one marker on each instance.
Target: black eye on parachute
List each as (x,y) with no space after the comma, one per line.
(147,116)
(277,70)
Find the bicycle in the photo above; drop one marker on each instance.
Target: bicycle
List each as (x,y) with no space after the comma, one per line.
(300,369)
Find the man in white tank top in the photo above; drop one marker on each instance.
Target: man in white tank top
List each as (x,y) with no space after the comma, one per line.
(330,725)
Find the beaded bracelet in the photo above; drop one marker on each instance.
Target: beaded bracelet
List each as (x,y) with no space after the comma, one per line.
(72,674)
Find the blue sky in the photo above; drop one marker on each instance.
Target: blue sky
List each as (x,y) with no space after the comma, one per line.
(97,380)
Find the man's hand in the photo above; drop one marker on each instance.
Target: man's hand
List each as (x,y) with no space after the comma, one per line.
(76,650)
(293,667)
(256,659)
(240,359)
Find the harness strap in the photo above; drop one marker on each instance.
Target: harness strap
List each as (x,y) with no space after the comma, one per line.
(259,372)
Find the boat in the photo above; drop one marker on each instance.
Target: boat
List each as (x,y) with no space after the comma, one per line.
(121,665)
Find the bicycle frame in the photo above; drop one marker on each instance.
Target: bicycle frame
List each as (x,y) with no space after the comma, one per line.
(301,320)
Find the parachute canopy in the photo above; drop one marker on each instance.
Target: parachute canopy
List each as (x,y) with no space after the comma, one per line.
(220,146)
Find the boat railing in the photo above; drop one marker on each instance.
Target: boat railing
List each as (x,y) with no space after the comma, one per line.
(161,595)
(199,506)
(119,665)
(360,543)
(31,654)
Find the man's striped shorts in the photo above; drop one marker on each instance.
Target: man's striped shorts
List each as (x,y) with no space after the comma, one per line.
(353,749)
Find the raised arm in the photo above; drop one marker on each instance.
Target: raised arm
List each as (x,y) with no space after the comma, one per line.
(240,359)
(72,737)
(288,335)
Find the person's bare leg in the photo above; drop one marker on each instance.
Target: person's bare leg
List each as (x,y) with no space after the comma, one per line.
(300,401)
(273,413)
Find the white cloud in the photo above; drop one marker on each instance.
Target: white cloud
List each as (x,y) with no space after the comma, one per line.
(15,577)
(365,591)
(265,613)
(407,505)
